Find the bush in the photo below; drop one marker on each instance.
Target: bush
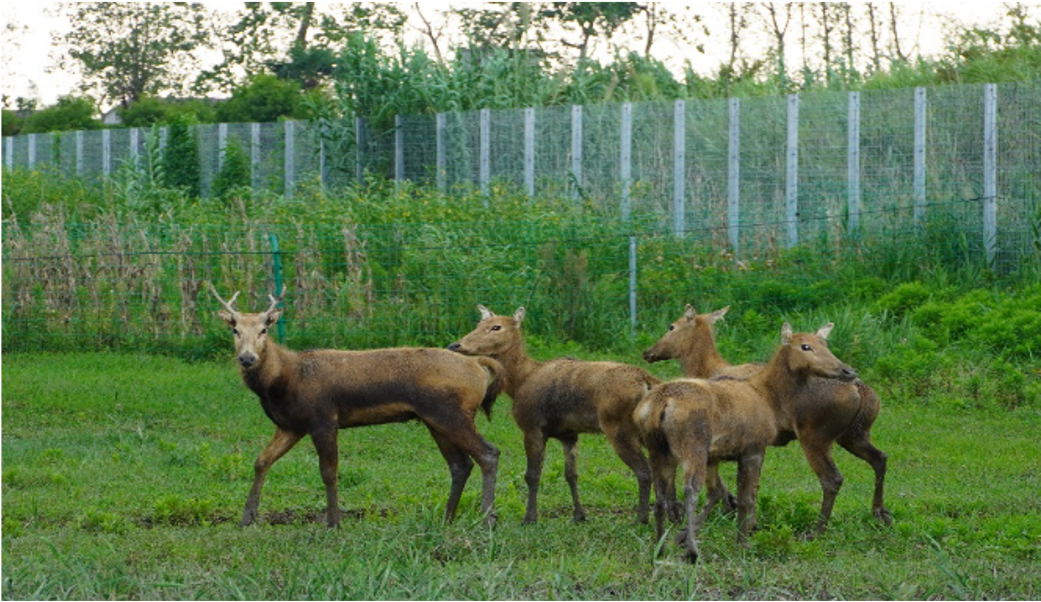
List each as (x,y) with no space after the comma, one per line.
(181,157)
(70,113)
(235,173)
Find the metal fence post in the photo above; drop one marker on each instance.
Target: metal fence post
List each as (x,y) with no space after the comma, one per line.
(485,152)
(9,150)
(990,171)
(529,151)
(626,165)
(576,151)
(632,282)
(79,153)
(679,168)
(106,152)
(791,180)
(359,150)
(222,144)
(919,156)
(32,150)
(442,159)
(399,150)
(288,164)
(254,155)
(734,175)
(276,268)
(853,162)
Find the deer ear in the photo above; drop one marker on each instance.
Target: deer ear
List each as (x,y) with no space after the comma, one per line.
(689,312)
(228,318)
(786,334)
(519,315)
(719,313)
(825,330)
(272,316)
(485,312)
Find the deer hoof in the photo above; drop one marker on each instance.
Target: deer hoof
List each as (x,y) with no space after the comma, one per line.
(883,515)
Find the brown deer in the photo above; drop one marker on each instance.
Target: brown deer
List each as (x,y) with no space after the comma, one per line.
(824,412)
(317,393)
(561,399)
(699,422)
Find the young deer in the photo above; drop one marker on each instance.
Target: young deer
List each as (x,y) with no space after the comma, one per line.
(561,399)
(824,412)
(698,422)
(318,392)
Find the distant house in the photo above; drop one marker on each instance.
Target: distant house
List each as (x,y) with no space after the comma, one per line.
(111,117)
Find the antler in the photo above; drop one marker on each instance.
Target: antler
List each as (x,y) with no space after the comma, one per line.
(227,304)
(275,300)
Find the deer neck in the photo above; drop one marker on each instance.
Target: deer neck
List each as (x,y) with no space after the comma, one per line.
(700,358)
(271,369)
(518,364)
(777,384)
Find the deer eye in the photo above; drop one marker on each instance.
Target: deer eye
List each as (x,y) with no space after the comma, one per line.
(235,331)
(807,348)
(672,327)
(497,327)
(263,331)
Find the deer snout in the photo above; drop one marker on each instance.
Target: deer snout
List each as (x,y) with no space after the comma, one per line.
(651,355)
(247,359)
(455,347)
(847,373)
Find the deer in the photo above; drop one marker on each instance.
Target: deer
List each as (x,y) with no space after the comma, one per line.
(316,393)
(824,412)
(561,399)
(697,423)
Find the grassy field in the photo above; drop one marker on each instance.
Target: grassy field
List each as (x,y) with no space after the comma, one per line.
(124,477)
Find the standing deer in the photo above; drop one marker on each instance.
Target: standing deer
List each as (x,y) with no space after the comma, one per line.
(317,393)
(825,411)
(699,422)
(561,399)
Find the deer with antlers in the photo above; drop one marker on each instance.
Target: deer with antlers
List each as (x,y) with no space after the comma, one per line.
(318,392)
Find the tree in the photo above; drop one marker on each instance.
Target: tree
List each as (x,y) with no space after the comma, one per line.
(126,51)
(592,19)
(295,40)
(263,99)
(68,114)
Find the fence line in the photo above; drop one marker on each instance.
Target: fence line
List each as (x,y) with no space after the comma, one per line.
(693,163)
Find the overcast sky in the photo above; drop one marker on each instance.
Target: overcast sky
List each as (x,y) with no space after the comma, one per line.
(28,31)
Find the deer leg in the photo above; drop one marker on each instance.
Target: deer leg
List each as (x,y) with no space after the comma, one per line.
(570,443)
(663,474)
(818,454)
(860,446)
(459,464)
(282,442)
(328,462)
(627,446)
(749,468)
(715,492)
(535,450)
(694,469)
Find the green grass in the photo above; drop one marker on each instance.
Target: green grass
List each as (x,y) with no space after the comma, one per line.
(124,477)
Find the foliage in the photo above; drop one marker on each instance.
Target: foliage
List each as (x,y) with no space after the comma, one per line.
(128,51)
(264,99)
(70,113)
(181,156)
(12,123)
(234,175)
(150,110)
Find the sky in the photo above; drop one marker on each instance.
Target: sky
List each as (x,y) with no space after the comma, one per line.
(28,62)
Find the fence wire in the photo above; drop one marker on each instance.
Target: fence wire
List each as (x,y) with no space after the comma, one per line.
(832,172)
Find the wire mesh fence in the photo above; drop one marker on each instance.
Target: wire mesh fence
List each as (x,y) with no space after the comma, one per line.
(951,170)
